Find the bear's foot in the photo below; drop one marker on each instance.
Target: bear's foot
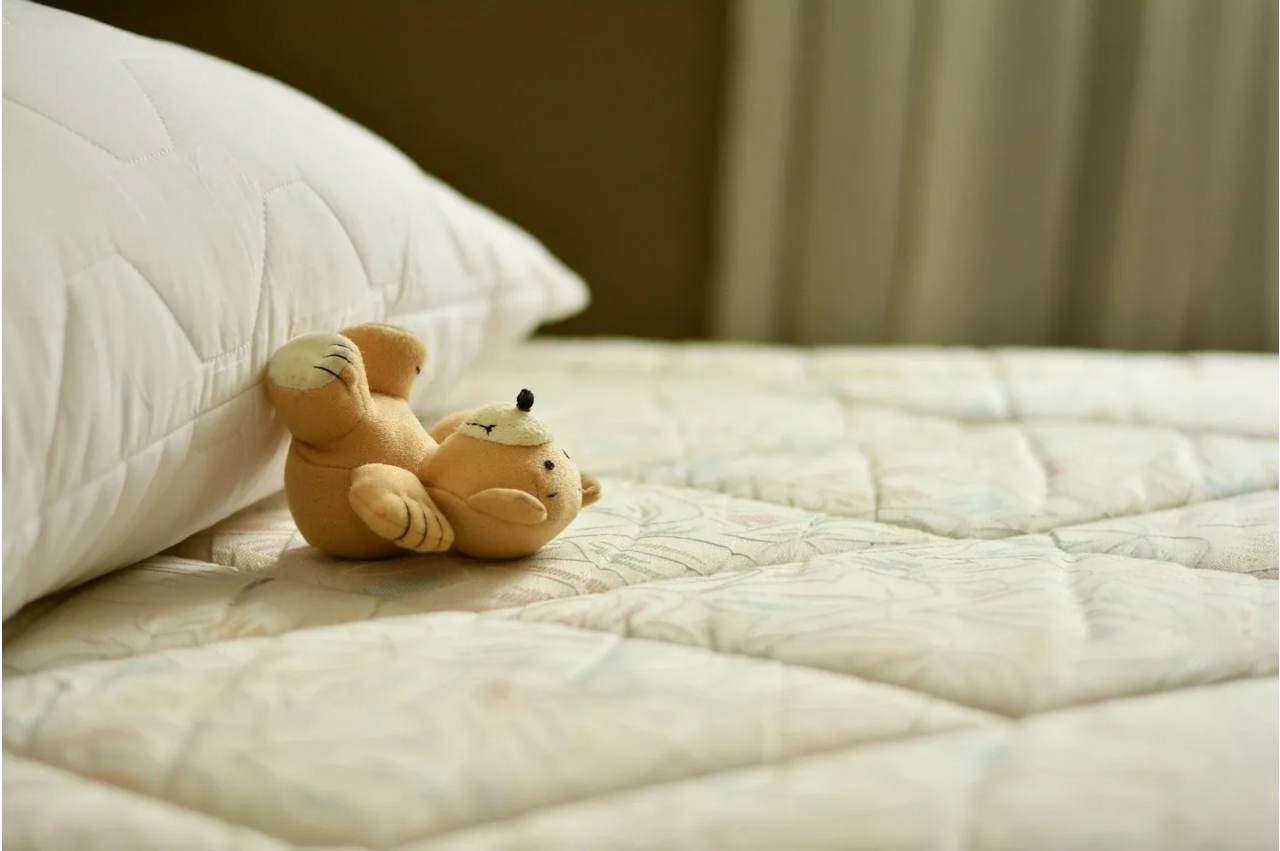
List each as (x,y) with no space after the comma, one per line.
(314,360)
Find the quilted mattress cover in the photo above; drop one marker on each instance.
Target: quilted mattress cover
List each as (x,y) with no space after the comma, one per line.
(832,598)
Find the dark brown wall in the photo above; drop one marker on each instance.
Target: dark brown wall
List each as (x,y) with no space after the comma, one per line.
(594,125)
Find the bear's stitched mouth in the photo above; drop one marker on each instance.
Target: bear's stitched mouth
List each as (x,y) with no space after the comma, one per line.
(488,429)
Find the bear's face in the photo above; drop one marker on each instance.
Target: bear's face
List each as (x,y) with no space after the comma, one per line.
(506,501)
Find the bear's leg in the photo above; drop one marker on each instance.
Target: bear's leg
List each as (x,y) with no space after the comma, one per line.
(318,385)
(393,357)
(319,500)
(395,506)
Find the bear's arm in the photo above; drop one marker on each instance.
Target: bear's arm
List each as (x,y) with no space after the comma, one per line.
(448,425)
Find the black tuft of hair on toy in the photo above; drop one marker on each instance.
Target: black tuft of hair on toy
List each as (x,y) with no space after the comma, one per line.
(524,400)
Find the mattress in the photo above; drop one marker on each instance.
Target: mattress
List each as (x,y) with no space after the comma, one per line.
(832,598)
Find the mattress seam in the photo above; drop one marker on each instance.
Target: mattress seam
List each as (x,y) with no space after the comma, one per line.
(698,777)
(510,616)
(1016,533)
(942,537)
(1000,724)
(131,792)
(992,722)
(498,615)
(862,677)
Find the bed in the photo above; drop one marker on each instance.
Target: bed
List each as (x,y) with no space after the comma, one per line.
(832,598)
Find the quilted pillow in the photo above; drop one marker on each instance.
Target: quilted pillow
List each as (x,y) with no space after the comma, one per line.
(169,220)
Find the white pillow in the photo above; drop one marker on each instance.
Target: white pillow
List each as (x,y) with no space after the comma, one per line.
(169,220)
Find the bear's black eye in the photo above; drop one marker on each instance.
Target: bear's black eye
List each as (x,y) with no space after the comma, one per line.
(418,370)
(550,465)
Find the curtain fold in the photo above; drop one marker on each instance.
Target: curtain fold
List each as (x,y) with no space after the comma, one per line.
(1080,172)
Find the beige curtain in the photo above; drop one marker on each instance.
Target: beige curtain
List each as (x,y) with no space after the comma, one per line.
(1047,172)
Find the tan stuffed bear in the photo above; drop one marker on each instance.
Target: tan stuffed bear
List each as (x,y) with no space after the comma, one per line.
(364,479)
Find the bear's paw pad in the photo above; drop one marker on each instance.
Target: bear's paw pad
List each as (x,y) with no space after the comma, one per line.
(312,360)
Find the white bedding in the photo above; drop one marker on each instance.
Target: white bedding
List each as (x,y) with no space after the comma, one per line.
(841,598)
(170,221)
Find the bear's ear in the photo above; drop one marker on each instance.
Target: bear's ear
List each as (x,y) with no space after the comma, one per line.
(509,504)
(590,489)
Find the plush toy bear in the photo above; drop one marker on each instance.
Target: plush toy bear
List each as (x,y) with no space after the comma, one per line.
(364,479)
